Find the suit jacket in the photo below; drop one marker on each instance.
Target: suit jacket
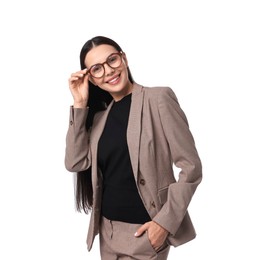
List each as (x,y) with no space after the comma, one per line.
(158,136)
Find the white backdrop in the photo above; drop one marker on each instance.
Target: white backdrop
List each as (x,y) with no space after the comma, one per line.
(206,51)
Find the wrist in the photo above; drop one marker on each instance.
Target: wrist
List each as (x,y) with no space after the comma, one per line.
(80,104)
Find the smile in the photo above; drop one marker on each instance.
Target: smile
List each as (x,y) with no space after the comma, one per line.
(114,80)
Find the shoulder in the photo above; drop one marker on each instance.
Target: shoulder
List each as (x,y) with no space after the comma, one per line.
(159,93)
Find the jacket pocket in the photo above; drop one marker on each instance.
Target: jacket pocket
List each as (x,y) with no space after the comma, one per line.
(162,195)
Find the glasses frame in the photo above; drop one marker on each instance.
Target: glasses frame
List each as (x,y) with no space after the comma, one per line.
(106,62)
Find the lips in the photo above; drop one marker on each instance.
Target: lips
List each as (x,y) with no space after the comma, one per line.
(114,80)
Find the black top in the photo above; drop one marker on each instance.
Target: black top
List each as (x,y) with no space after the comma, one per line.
(121,200)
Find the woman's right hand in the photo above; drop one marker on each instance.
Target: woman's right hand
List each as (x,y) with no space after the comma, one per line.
(79,87)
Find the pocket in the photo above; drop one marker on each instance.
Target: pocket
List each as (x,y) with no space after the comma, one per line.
(162,195)
(163,248)
(142,248)
(149,243)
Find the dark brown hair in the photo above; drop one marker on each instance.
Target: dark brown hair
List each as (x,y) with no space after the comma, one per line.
(98,101)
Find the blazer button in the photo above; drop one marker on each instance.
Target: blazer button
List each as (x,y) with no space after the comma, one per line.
(153,204)
(71,122)
(142,182)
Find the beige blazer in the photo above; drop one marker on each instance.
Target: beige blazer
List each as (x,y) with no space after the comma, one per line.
(158,136)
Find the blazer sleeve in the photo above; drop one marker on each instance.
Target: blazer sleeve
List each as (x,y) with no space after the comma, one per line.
(184,155)
(77,154)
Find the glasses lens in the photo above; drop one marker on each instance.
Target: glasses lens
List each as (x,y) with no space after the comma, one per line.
(97,71)
(114,60)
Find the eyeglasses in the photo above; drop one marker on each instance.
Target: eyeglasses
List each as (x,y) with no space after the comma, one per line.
(113,61)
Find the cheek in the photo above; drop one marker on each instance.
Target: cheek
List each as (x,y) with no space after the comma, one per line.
(101,84)
(96,82)
(123,69)
(126,73)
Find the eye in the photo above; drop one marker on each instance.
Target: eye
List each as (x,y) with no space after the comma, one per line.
(113,59)
(96,69)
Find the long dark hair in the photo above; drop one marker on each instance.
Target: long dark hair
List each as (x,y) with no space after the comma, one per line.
(98,101)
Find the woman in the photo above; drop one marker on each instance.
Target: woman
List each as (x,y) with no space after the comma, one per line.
(122,141)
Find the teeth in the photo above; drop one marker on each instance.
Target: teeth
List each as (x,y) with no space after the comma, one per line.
(113,80)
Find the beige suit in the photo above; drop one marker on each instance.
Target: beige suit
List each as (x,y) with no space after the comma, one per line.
(158,136)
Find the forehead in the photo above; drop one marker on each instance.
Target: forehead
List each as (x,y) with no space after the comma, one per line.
(98,54)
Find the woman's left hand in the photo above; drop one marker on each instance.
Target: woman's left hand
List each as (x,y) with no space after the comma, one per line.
(156,234)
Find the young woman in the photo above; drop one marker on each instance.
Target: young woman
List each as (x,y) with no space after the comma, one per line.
(122,141)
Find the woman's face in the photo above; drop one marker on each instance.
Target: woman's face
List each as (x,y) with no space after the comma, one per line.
(114,80)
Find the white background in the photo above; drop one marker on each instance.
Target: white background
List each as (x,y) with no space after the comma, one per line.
(206,51)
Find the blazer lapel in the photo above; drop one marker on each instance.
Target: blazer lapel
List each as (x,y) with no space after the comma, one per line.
(134,126)
(133,130)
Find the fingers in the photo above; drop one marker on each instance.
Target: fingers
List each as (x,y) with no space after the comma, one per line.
(156,234)
(142,229)
(78,75)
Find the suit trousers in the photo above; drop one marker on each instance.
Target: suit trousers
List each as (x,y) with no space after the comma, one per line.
(117,242)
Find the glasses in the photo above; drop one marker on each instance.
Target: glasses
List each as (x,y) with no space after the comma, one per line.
(113,61)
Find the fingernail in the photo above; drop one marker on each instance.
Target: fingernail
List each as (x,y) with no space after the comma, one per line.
(136,234)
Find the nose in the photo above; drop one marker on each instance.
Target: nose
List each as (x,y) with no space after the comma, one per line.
(108,70)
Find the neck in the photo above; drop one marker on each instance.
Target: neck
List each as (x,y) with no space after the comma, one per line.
(126,91)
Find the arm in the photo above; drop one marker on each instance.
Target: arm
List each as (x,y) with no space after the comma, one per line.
(184,155)
(77,157)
